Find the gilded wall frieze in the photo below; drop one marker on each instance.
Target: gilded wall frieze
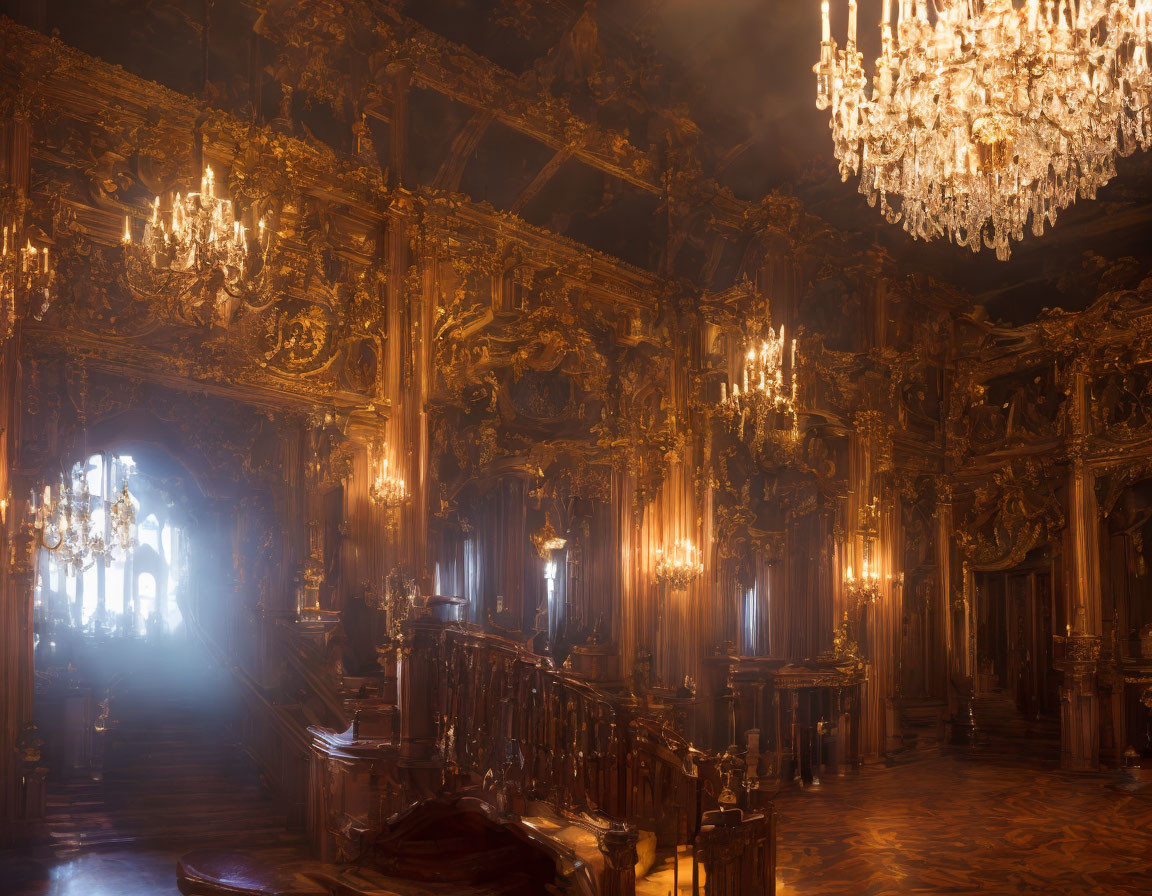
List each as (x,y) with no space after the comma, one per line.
(1008,514)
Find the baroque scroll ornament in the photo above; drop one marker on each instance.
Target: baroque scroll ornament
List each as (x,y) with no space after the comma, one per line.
(985,115)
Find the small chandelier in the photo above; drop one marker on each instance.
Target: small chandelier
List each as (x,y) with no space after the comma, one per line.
(983,117)
(200,236)
(763,394)
(26,272)
(680,566)
(64,522)
(387,489)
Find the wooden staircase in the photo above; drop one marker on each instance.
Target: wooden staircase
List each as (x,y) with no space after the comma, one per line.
(173,775)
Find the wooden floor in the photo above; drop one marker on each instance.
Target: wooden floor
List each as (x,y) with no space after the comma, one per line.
(965,823)
(947,823)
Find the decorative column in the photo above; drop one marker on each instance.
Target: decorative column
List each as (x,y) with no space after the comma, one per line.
(1077,652)
(618,846)
(21,777)
(873,593)
(418,674)
(944,540)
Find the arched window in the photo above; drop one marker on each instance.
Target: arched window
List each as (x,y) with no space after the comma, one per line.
(514,288)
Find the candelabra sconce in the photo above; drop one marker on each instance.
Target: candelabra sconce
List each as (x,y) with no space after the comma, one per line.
(200,249)
(679,566)
(863,587)
(388,489)
(26,273)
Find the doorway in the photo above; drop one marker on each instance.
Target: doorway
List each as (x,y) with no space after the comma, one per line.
(140,724)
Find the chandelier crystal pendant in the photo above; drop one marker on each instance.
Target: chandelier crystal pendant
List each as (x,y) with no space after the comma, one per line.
(985,116)
(679,566)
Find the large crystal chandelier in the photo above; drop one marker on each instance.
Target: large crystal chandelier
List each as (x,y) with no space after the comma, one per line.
(79,529)
(986,115)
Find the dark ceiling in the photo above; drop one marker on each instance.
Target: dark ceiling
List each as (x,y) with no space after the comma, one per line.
(733,76)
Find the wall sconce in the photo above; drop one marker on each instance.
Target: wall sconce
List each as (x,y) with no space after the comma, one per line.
(680,566)
(26,270)
(387,489)
(545,540)
(865,587)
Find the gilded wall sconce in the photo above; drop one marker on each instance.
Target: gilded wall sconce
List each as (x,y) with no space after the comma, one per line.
(678,566)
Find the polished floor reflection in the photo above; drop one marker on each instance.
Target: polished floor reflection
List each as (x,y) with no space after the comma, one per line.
(952,824)
(128,872)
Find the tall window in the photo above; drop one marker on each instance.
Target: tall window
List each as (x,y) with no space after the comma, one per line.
(751,622)
(134,593)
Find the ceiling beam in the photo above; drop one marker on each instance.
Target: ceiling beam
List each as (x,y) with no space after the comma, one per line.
(541,179)
(452,170)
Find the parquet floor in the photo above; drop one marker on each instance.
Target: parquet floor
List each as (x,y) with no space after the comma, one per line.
(955,824)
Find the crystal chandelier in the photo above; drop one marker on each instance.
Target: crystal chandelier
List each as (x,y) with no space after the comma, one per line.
(765,392)
(66,527)
(680,566)
(201,237)
(983,116)
(25,271)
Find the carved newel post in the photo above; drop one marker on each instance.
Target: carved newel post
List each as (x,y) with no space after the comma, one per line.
(418,671)
(618,846)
